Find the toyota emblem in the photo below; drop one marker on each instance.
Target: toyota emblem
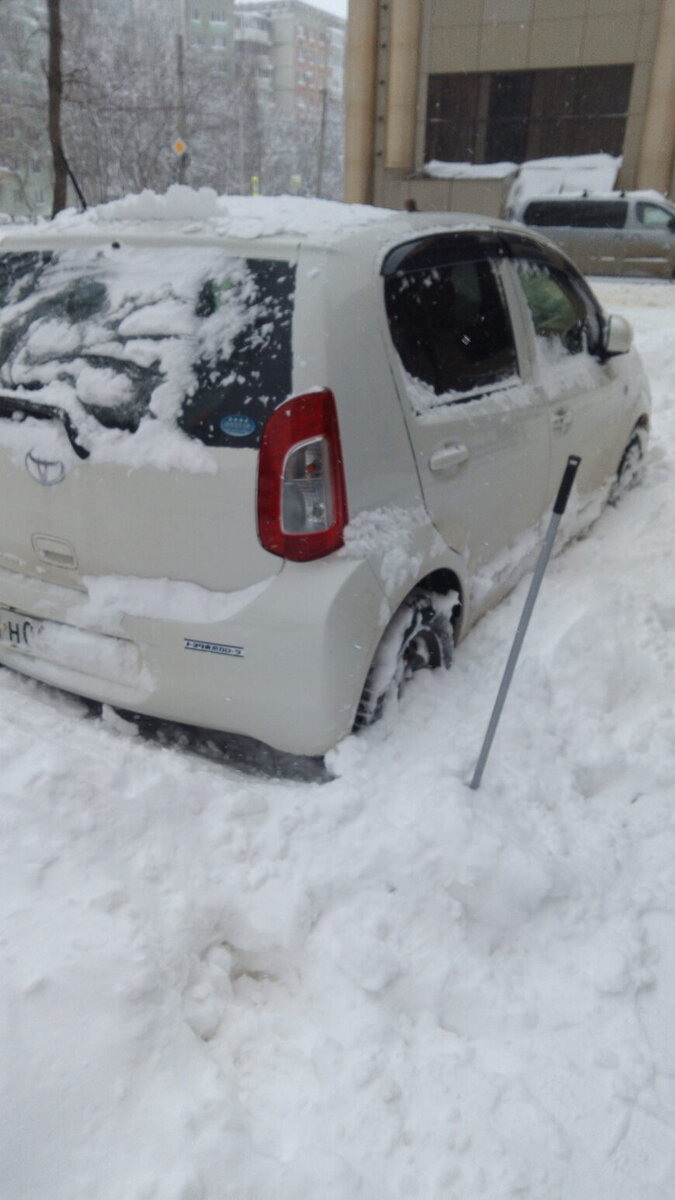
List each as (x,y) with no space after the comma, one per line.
(43,471)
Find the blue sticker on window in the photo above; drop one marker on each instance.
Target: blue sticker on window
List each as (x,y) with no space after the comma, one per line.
(238,425)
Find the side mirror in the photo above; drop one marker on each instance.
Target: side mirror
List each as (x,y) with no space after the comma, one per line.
(618,337)
(671,224)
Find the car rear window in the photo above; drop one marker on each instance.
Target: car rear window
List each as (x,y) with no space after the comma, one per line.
(577,214)
(192,336)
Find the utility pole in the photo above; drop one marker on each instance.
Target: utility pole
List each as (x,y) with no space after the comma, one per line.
(322,141)
(180,72)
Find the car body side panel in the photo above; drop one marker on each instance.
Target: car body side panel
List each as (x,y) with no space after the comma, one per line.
(344,351)
(592,405)
(649,251)
(492,492)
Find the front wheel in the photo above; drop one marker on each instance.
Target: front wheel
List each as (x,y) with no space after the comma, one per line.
(631,467)
(418,636)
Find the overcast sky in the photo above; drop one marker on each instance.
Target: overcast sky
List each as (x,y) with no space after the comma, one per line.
(338,7)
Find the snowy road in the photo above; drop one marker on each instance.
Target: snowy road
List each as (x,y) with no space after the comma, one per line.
(224,987)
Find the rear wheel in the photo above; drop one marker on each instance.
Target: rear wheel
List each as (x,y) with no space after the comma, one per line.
(631,467)
(418,636)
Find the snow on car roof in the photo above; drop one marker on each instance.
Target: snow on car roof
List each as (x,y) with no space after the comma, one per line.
(204,216)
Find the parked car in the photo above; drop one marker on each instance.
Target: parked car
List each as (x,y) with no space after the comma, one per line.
(622,233)
(254,483)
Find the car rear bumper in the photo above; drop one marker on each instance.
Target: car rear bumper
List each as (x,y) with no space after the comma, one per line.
(283,662)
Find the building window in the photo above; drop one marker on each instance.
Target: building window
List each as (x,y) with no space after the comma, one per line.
(519,115)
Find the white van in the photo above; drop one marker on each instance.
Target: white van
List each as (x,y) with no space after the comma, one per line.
(253,480)
(621,233)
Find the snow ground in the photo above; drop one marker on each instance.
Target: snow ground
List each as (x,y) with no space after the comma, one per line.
(221,986)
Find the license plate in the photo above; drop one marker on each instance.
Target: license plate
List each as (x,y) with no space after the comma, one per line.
(18,630)
(97,655)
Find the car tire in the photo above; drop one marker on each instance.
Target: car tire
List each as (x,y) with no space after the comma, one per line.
(419,636)
(631,467)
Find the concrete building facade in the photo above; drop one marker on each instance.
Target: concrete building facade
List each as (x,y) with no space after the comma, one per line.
(484,81)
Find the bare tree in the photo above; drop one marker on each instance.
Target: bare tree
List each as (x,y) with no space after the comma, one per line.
(23,127)
(115,93)
(55,96)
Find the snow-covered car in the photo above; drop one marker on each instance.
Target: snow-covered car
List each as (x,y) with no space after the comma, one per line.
(259,466)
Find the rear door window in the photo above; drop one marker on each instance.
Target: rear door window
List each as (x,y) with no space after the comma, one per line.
(448,317)
(120,335)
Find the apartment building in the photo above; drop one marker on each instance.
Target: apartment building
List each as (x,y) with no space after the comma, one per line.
(199,22)
(298,51)
(488,81)
(210,23)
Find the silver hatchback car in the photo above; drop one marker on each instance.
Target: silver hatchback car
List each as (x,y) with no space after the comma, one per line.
(252,481)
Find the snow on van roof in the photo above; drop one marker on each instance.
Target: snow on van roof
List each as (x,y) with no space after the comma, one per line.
(437,169)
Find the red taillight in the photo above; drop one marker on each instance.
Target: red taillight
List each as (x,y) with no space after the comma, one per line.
(302,500)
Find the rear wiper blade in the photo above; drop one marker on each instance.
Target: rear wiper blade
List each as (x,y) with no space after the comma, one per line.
(11,402)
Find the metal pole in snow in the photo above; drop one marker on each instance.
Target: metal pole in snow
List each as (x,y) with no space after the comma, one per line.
(544,555)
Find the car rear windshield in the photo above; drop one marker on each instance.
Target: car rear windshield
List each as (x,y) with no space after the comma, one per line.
(189,335)
(577,214)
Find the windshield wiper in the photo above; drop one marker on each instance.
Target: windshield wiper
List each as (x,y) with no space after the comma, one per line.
(11,403)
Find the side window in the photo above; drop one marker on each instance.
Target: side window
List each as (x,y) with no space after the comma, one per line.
(562,310)
(599,214)
(577,214)
(450,325)
(654,216)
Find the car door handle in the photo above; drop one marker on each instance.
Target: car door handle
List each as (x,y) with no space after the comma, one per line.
(561,421)
(448,458)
